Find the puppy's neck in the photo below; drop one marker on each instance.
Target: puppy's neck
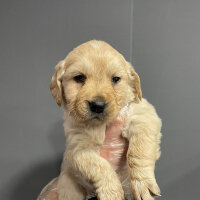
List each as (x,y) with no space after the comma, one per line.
(124,110)
(96,133)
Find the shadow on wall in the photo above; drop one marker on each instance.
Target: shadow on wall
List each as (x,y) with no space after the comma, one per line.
(57,137)
(187,187)
(28,184)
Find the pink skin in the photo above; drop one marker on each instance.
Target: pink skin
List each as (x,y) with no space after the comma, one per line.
(114,150)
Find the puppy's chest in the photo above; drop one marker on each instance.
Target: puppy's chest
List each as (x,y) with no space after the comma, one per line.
(114,147)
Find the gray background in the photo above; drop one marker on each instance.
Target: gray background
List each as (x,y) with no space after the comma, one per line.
(160,37)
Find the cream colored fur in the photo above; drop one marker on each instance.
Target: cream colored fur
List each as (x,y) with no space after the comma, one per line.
(83,168)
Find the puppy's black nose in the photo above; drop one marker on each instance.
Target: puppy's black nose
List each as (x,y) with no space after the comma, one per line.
(97,105)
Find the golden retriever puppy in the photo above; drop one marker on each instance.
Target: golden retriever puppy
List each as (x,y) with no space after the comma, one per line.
(94,84)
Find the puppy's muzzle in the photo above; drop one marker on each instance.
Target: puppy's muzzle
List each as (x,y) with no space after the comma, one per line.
(97,106)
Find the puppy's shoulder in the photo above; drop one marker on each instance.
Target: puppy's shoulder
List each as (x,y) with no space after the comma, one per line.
(141,108)
(143,116)
(142,111)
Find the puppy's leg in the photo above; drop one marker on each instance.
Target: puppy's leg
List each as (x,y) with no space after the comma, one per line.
(97,171)
(144,137)
(68,188)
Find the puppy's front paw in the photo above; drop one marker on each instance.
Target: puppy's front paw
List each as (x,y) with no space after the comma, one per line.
(144,190)
(110,190)
(110,194)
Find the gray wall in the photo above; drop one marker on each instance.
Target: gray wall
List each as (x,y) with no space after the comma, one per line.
(166,53)
(35,35)
(162,39)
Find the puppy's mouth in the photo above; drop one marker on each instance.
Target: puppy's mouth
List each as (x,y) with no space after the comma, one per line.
(99,117)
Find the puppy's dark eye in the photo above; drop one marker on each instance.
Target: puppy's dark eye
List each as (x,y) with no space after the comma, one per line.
(80,78)
(115,79)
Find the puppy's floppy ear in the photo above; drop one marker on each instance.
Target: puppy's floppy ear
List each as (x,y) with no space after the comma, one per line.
(135,82)
(55,84)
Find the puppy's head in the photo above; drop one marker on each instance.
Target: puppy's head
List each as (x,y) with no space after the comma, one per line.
(94,82)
